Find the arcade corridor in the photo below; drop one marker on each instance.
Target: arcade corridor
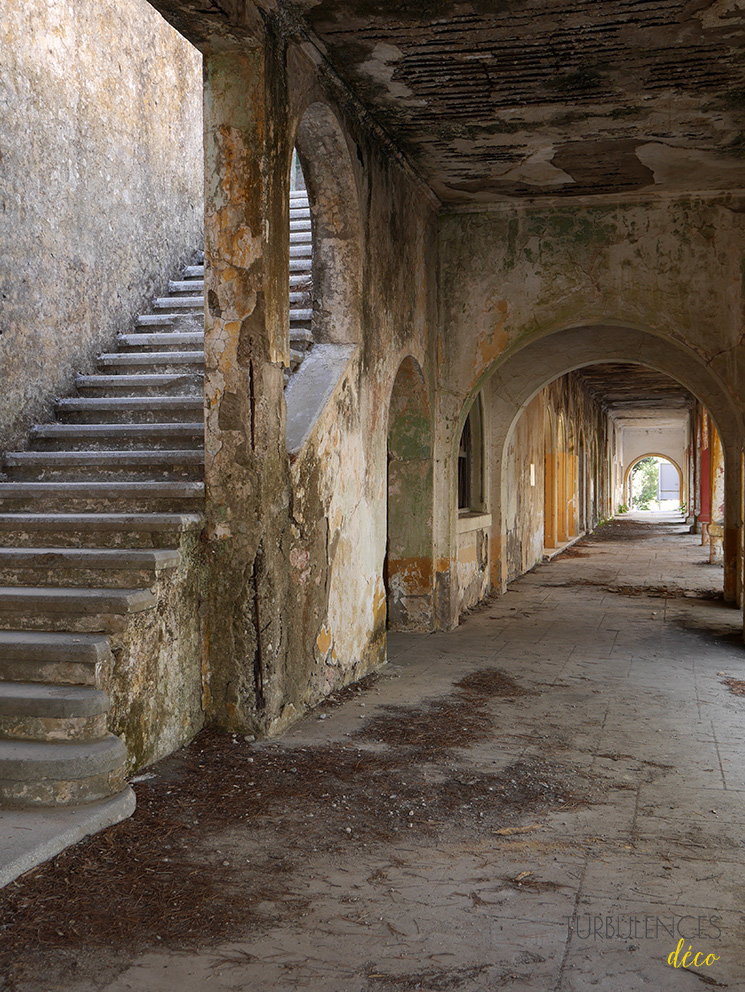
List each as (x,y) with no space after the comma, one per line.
(572,752)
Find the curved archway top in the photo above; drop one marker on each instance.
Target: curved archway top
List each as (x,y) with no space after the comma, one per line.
(651,454)
(521,373)
(409,411)
(326,160)
(336,222)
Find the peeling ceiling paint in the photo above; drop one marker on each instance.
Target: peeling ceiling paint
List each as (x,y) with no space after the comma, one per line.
(493,100)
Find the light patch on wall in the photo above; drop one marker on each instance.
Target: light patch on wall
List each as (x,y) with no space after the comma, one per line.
(532,473)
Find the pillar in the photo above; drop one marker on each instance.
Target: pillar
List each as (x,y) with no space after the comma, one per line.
(549,500)
(246,464)
(716,481)
(562,497)
(572,502)
(704,479)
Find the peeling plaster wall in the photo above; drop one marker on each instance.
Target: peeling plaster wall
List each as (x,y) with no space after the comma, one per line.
(523,513)
(340,477)
(669,441)
(296,545)
(673,269)
(510,278)
(101,151)
(472,564)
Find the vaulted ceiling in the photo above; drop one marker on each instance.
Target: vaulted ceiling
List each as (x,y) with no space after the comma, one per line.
(635,395)
(495,99)
(508,100)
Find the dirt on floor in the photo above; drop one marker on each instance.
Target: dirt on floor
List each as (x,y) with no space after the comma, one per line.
(227,827)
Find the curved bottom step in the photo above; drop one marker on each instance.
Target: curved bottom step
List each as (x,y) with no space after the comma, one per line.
(43,774)
(31,837)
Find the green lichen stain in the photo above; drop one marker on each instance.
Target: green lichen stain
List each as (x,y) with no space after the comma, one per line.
(564,229)
(408,436)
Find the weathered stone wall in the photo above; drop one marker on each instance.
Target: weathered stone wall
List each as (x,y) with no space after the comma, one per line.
(296,545)
(672,442)
(523,514)
(340,479)
(101,159)
(660,282)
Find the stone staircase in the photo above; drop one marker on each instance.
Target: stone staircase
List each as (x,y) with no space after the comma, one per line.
(301,337)
(91,517)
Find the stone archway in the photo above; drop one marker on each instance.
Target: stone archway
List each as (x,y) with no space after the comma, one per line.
(651,454)
(335,223)
(408,572)
(516,377)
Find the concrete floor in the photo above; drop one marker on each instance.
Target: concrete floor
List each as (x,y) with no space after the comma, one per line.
(614,724)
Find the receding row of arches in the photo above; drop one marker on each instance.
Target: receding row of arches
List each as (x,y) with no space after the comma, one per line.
(576,463)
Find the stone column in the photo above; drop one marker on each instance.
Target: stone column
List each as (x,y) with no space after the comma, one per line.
(572,526)
(716,475)
(549,500)
(704,479)
(731,521)
(246,465)
(562,500)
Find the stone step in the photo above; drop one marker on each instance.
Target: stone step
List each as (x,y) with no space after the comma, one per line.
(73,609)
(169,338)
(301,264)
(36,773)
(127,497)
(301,281)
(131,409)
(178,302)
(99,465)
(97,530)
(61,658)
(299,298)
(150,358)
(154,320)
(34,712)
(192,286)
(99,567)
(301,337)
(300,314)
(50,600)
(301,238)
(122,435)
(194,272)
(298,225)
(145,383)
(119,558)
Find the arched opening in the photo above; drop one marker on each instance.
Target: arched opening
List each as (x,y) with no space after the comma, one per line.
(515,378)
(335,226)
(655,482)
(408,571)
(325,269)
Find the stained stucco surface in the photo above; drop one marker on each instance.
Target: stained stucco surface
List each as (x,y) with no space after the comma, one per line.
(101,159)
